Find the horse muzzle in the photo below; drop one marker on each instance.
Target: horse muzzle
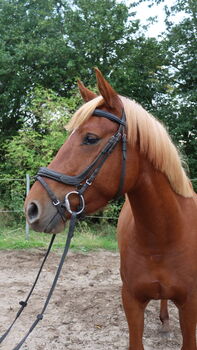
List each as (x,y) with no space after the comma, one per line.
(48,221)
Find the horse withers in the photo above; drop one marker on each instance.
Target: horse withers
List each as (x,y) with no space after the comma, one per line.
(157,228)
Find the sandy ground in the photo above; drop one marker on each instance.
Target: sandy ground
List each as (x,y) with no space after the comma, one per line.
(85,311)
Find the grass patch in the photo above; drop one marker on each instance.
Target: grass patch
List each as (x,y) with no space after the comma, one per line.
(86,238)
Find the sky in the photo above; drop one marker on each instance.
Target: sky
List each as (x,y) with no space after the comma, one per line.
(144,12)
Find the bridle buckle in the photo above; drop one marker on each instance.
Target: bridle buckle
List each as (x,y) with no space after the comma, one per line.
(56,202)
(89,183)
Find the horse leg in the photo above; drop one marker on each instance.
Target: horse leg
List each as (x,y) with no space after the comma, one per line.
(188,322)
(134,311)
(164,316)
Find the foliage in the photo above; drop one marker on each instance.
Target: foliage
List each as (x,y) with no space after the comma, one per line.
(180,46)
(142,73)
(42,47)
(175,105)
(31,148)
(30,37)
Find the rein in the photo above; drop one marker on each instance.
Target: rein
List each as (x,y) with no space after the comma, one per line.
(81,182)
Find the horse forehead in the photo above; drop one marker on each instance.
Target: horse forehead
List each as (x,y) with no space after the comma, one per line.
(99,124)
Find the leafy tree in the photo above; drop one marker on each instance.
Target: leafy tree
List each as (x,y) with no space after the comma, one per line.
(30,149)
(52,42)
(105,33)
(142,73)
(32,51)
(181,48)
(176,104)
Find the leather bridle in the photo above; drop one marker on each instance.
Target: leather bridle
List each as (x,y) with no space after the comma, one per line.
(81,182)
(88,175)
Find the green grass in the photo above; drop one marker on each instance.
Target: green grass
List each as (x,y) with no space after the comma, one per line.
(85,238)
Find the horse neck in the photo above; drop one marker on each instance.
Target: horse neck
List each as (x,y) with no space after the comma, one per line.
(156,209)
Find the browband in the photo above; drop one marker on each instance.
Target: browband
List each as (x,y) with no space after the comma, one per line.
(110,116)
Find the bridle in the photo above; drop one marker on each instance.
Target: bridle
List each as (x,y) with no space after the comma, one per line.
(81,183)
(88,175)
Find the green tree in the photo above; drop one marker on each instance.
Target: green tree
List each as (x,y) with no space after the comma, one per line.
(181,49)
(106,34)
(176,104)
(32,51)
(51,43)
(142,72)
(30,149)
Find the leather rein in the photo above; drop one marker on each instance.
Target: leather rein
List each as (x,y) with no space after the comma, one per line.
(81,182)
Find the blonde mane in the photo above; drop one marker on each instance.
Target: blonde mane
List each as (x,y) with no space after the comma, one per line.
(154,141)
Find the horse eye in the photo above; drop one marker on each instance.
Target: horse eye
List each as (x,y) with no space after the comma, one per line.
(90,139)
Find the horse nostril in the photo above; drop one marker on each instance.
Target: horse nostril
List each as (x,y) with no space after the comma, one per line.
(32,212)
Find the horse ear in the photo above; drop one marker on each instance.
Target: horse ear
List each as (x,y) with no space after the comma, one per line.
(109,94)
(86,94)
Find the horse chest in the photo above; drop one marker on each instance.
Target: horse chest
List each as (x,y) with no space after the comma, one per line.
(153,278)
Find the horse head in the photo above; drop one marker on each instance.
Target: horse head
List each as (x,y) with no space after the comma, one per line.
(91,159)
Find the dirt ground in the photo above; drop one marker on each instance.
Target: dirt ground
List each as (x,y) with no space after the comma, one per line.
(85,311)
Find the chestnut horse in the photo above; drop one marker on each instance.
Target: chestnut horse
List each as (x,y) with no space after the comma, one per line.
(157,228)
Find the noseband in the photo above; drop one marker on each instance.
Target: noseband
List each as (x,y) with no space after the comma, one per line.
(88,175)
